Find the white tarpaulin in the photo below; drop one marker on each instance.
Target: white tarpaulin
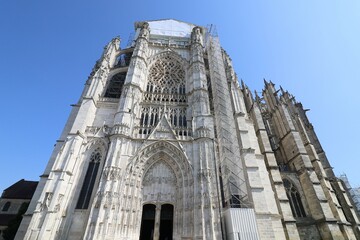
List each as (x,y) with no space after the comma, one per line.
(171,27)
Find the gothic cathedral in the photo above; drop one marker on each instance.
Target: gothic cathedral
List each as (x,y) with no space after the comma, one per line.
(164,143)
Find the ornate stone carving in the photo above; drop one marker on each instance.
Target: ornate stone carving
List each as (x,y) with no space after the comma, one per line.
(197,67)
(205,175)
(98,199)
(161,178)
(45,203)
(48,198)
(196,36)
(112,173)
(58,203)
(144,32)
(107,199)
(166,88)
(92,130)
(122,129)
(202,132)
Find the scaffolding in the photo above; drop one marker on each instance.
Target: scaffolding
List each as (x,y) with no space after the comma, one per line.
(232,181)
(354,192)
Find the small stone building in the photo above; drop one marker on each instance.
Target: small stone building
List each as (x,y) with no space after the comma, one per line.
(13,199)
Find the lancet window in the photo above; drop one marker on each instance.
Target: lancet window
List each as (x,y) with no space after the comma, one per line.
(89,181)
(293,195)
(165,94)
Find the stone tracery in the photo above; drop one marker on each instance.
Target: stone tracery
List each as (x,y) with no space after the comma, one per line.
(159,179)
(89,181)
(165,94)
(166,81)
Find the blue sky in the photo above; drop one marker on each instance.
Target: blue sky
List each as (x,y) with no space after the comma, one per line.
(48,49)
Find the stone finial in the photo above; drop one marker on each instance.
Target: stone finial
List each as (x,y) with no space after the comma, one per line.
(282,90)
(243,84)
(116,42)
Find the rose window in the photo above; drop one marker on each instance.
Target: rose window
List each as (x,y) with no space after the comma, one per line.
(166,87)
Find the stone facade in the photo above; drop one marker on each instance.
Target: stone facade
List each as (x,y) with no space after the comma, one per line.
(165,144)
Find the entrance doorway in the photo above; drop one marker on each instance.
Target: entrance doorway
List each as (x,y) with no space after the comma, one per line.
(157,222)
(147,222)
(166,222)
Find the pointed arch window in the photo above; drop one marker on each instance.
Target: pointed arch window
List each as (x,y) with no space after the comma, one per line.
(115,85)
(89,181)
(6,206)
(294,197)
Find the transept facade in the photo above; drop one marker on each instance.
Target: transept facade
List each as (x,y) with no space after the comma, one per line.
(165,143)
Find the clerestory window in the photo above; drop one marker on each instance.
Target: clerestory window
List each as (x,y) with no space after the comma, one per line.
(115,85)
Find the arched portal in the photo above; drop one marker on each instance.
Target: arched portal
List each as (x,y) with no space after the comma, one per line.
(163,176)
(159,187)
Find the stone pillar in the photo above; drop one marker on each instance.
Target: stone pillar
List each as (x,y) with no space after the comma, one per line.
(205,206)
(199,97)
(134,84)
(157,222)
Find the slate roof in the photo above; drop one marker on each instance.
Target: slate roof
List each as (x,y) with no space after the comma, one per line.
(20,190)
